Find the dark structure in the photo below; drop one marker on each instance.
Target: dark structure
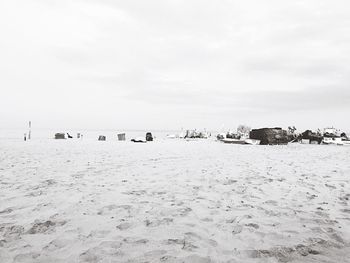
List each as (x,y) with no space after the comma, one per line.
(312,136)
(344,136)
(220,137)
(149,137)
(121,137)
(102,138)
(270,136)
(69,136)
(60,136)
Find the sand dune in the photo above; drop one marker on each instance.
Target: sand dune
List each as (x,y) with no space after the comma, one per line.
(173,201)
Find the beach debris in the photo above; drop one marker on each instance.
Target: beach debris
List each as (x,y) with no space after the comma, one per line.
(240,137)
(121,137)
(270,136)
(194,134)
(69,136)
(310,137)
(139,139)
(332,136)
(149,137)
(101,138)
(60,136)
(220,136)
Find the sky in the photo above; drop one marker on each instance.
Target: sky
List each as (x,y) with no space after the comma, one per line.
(172,64)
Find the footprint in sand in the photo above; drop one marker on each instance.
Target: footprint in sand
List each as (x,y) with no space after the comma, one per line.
(57,244)
(11,232)
(237,229)
(98,233)
(101,252)
(256,226)
(155,223)
(124,226)
(27,257)
(195,259)
(207,219)
(44,227)
(271,202)
(135,241)
(6,211)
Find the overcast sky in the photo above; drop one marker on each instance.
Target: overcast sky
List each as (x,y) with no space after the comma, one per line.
(169,64)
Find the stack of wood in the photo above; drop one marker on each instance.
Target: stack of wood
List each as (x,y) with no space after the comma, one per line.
(270,136)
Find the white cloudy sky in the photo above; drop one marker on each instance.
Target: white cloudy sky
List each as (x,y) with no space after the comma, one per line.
(169,64)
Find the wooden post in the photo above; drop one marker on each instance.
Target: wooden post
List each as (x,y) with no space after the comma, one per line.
(30,127)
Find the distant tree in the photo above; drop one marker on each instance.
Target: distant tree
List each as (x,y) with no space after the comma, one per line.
(243,129)
(291,129)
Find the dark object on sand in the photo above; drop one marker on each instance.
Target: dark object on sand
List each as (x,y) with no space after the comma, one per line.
(220,137)
(233,136)
(344,136)
(149,137)
(78,135)
(313,137)
(60,136)
(101,138)
(121,137)
(69,136)
(270,136)
(141,140)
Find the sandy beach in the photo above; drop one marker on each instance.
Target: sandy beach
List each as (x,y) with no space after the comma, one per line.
(173,201)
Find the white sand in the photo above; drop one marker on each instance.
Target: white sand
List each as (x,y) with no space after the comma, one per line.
(173,201)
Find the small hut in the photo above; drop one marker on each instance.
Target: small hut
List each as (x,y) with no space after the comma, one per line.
(269,136)
(101,138)
(149,137)
(121,137)
(60,136)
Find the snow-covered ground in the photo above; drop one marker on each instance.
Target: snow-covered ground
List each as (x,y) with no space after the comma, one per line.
(173,201)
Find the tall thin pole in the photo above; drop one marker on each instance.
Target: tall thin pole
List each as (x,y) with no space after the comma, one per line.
(30,128)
